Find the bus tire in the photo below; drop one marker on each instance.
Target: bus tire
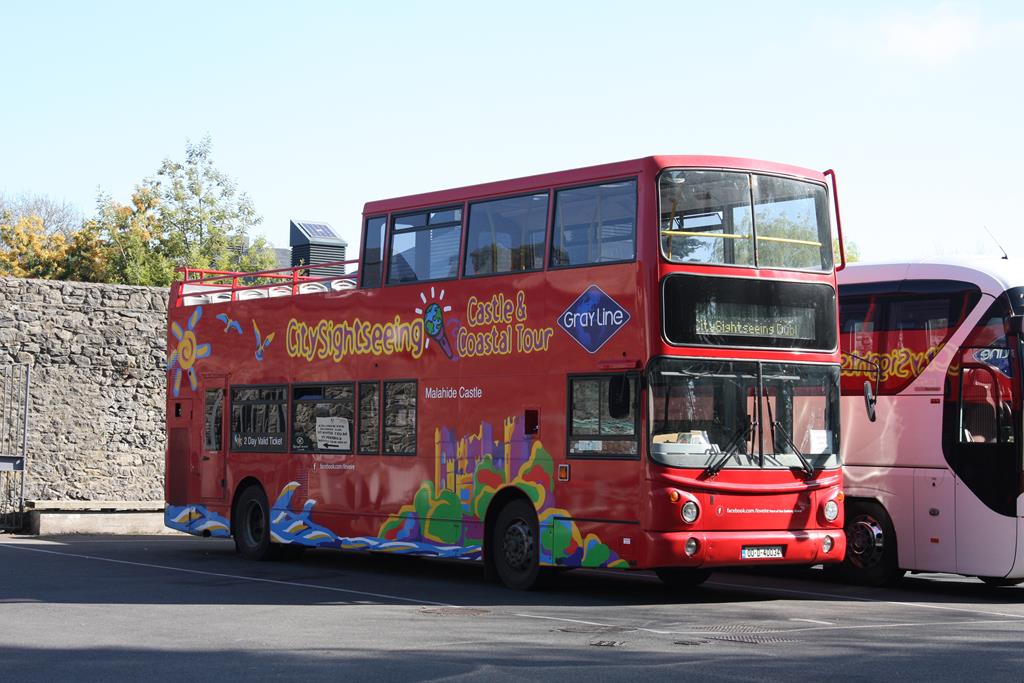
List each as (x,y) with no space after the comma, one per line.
(682,578)
(1000,581)
(871,557)
(515,541)
(251,526)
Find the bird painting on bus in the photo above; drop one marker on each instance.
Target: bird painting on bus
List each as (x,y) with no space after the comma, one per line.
(229,324)
(261,343)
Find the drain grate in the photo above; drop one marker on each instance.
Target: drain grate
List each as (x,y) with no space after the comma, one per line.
(753,639)
(454,611)
(735,628)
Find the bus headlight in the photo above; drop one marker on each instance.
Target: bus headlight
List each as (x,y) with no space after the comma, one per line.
(831,510)
(827,544)
(690,512)
(691,547)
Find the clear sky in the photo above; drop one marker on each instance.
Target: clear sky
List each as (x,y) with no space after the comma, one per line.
(317,107)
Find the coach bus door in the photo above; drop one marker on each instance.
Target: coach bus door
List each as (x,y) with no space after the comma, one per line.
(985,452)
(211,458)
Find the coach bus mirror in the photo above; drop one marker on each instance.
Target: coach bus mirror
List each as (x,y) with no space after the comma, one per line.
(870,400)
(619,405)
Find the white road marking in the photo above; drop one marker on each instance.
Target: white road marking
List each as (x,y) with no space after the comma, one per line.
(571,621)
(255,579)
(815,621)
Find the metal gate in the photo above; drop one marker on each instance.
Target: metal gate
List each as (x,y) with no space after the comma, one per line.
(15,381)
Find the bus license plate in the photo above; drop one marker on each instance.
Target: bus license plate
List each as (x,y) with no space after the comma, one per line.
(758,552)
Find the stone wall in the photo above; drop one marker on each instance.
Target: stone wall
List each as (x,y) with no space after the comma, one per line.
(96,414)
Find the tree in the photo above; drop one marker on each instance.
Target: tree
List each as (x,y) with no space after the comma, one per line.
(28,251)
(205,221)
(132,238)
(56,216)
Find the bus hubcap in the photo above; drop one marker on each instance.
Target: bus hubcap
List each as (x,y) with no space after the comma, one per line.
(518,545)
(254,523)
(865,541)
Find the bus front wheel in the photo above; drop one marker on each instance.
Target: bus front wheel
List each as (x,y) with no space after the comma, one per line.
(871,558)
(251,526)
(515,544)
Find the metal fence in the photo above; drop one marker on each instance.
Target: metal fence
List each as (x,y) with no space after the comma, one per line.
(15,381)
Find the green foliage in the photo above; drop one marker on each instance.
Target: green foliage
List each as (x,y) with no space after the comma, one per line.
(189,214)
(206,221)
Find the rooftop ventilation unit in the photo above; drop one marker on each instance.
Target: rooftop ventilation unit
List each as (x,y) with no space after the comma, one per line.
(314,243)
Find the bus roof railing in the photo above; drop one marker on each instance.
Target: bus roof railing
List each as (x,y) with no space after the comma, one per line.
(199,286)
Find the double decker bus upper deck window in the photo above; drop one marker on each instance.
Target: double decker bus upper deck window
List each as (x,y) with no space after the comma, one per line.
(595,224)
(372,246)
(507,235)
(744,219)
(425,246)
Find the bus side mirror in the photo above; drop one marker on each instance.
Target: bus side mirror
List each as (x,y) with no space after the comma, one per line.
(619,403)
(870,400)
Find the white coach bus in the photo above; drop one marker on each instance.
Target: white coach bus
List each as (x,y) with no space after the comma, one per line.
(931,415)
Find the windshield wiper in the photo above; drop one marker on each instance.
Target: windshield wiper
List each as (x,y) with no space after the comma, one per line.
(739,437)
(806,465)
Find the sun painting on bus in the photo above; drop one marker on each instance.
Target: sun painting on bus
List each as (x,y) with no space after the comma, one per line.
(187,352)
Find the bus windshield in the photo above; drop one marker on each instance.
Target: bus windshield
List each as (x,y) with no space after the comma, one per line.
(744,413)
(744,219)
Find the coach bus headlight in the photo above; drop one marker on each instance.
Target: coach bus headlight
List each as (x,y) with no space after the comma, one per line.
(691,547)
(827,544)
(690,512)
(831,510)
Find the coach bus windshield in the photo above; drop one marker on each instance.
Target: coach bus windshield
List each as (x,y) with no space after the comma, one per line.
(744,414)
(744,219)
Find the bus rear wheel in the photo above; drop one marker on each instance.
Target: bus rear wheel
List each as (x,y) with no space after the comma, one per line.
(682,578)
(251,526)
(515,544)
(871,558)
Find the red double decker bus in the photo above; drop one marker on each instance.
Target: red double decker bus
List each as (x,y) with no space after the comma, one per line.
(632,365)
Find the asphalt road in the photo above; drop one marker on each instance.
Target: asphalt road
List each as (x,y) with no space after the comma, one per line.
(182,608)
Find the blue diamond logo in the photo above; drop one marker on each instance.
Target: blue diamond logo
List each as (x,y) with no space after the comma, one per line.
(593,318)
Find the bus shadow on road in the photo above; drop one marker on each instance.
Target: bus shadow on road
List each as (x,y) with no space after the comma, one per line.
(931,587)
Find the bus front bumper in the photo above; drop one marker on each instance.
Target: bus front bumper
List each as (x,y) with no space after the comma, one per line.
(738,548)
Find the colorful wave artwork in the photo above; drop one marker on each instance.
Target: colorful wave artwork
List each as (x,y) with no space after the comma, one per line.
(446,516)
(469,472)
(287,526)
(196,519)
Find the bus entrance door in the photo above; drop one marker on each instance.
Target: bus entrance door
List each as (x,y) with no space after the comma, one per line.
(211,459)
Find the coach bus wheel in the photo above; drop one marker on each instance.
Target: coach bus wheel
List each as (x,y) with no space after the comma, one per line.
(871,558)
(682,578)
(1000,581)
(252,526)
(515,545)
